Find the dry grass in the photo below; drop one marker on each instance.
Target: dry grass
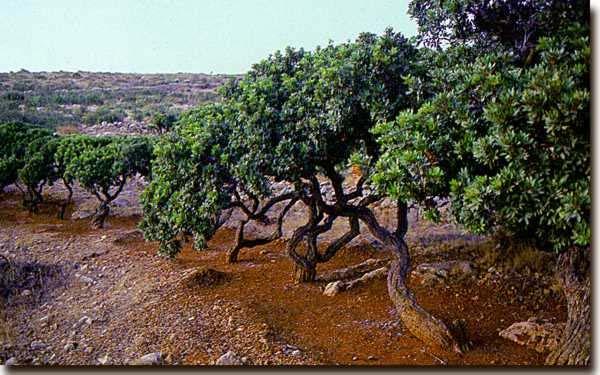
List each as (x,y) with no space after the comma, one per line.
(518,256)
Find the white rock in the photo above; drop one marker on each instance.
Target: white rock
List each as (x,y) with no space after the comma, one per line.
(37,345)
(332,288)
(86,280)
(12,361)
(84,320)
(150,359)
(229,359)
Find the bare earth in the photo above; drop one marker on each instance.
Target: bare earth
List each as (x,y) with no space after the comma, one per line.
(104,297)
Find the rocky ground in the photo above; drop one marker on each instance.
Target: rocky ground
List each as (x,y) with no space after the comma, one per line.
(76,296)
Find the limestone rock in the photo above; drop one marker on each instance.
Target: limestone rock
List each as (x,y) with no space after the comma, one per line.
(537,334)
(12,361)
(229,359)
(332,288)
(430,273)
(150,359)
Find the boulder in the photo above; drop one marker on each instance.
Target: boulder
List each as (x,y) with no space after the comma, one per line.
(537,334)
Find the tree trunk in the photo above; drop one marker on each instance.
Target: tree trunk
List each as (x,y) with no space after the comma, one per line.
(417,320)
(100,216)
(232,254)
(426,327)
(65,205)
(575,347)
(305,273)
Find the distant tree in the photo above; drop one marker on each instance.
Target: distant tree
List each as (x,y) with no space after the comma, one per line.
(39,169)
(102,166)
(163,122)
(14,142)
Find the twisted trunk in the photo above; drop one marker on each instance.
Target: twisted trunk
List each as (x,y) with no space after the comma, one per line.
(100,216)
(575,346)
(423,325)
(253,213)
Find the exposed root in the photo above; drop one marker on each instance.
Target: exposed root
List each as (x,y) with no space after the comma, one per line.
(335,287)
(354,271)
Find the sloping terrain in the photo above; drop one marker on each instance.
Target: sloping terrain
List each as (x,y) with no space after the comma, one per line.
(104,297)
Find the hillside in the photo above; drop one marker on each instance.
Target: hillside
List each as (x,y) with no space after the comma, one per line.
(85,99)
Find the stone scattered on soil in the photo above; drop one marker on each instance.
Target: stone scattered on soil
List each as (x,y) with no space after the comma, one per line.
(12,361)
(103,360)
(353,271)
(432,273)
(229,359)
(332,288)
(37,345)
(150,359)
(337,286)
(129,236)
(203,276)
(537,334)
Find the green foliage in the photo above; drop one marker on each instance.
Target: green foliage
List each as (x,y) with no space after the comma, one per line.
(15,139)
(511,25)
(100,164)
(295,114)
(305,112)
(163,122)
(39,168)
(190,180)
(508,143)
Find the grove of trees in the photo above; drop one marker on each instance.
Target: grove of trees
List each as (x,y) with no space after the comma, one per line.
(487,108)
(35,157)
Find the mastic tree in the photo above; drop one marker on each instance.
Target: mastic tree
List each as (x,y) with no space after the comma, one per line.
(14,142)
(512,25)
(162,122)
(297,117)
(508,141)
(39,169)
(102,165)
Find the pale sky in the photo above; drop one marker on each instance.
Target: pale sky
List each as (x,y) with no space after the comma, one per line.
(199,36)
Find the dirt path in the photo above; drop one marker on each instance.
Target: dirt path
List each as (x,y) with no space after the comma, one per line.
(106,297)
